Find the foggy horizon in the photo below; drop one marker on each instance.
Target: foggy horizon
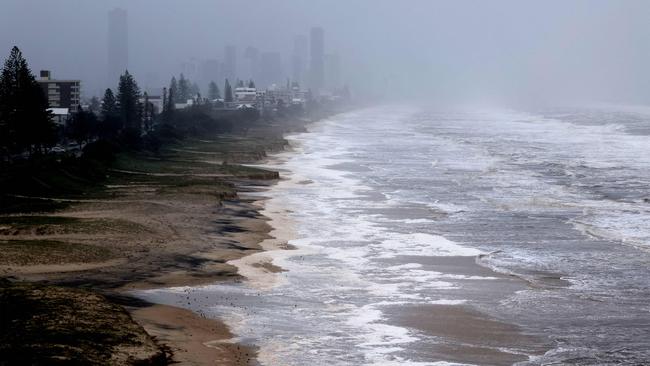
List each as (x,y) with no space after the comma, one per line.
(495,52)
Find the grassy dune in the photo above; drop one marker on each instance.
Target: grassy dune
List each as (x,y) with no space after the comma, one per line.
(49,325)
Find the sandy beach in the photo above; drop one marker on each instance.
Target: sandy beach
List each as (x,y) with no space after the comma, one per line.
(155,231)
(191,338)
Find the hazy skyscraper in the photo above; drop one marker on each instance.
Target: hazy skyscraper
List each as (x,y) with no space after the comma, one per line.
(252,56)
(299,59)
(317,65)
(190,69)
(209,72)
(270,69)
(230,63)
(118,45)
(332,72)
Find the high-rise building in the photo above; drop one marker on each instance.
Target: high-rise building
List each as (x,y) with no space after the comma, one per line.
(190,69)
(270,69)
(209,72)
(230,63)
(299,59)
(252,56)
(118,45)
(317,53)
(332,72)
(60,93)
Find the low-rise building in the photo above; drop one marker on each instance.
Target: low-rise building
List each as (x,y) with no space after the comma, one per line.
(188,103)
(285,96)
(60,93)
(263,100)
(60,115)
(245,97)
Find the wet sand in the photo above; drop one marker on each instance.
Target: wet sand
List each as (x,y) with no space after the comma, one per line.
(464,333)
(467,335)
(192,339)
(258,268)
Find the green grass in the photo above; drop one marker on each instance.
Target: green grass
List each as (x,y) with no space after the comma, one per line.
(24,185)
(228,144)
(35,252)
(47,184)
(182,163)
(48,225)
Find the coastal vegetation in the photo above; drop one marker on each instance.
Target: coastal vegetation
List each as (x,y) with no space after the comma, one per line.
(38,252)
(121,196)
(26,126)
(124,130)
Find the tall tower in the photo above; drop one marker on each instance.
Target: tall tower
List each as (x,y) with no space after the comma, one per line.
(299,59)
(230,64)
(118,45)
(317,53)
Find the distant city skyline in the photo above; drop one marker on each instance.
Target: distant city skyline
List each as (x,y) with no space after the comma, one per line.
(299,59)
(306,64)
(252,59)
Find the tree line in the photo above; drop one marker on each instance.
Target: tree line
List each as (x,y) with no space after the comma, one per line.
(124,117)
(27,128)
(26,125)
(181,90)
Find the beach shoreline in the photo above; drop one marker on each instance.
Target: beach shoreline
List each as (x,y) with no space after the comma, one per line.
(240,238)
(463,331)
(159,235)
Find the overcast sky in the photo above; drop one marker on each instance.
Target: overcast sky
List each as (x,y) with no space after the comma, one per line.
(475,49)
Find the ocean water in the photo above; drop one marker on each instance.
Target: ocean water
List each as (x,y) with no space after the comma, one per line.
(552,206)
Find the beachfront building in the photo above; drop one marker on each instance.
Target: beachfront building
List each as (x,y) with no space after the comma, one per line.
(264,100)
(245,97)
(286,96)
(60,94)
(187,104)
(298,96)
(274,97)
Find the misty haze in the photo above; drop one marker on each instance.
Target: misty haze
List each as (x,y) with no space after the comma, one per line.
(285,182)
